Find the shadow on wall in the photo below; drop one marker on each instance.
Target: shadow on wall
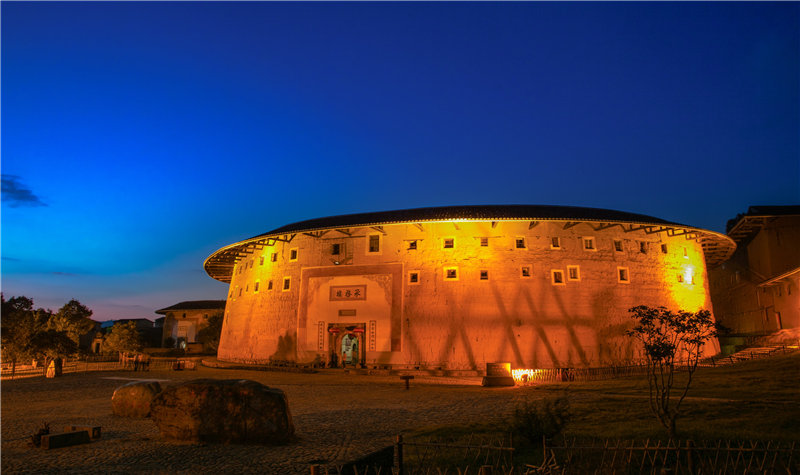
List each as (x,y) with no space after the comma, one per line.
(287,348)
(540,311)
(613,345)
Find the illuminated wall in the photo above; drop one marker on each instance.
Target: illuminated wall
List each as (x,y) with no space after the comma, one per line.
(459,294)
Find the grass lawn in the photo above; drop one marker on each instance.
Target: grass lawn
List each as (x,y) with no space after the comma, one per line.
(753,400)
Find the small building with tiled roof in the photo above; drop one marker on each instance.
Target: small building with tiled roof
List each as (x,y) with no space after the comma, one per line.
(184,320)
(457,287)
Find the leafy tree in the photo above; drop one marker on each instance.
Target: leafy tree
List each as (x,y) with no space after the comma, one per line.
(72,319)
(53,345)
(210,333)
(672,341)
(20,324)
(123,337)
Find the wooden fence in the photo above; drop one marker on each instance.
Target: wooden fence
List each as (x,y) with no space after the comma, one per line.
(470,454)
(99,364)
(639,367)
(674,457)
(578,456)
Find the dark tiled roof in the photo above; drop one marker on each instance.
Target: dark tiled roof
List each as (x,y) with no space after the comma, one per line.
(745,225)
(787,210)
(479,212)
(195,305)
(717,247)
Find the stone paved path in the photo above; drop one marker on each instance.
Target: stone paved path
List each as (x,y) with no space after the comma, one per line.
(336,416)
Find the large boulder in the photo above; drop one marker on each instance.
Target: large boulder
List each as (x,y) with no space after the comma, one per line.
(134,399)
(232,410)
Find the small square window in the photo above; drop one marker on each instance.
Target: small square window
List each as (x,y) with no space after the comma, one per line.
(618,245)
(588,244)
(622,275)
(574,272)
(413,277)
(484,275)
(374,243)
(449,243)
(555,243)
(293,255)
(557,276)
(269,285)
(663,248)
(520,243)
(412,245)
(261,261)
(287,283)
(643,247)
(336,249)
(274,257)
(484,242)
(255,286)
(451,273)
(526,271)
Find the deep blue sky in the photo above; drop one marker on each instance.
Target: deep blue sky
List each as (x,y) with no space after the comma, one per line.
(138,138)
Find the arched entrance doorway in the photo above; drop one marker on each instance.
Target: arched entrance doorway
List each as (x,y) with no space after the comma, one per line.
(346,345)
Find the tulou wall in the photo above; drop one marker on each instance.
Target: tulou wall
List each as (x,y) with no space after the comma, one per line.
(455,295)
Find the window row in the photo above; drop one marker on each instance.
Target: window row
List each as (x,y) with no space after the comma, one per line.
(587,244)
(273,257)
(287,285)
(557,276)
(374,246)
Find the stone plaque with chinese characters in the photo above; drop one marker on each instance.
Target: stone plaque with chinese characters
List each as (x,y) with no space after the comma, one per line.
(348,292)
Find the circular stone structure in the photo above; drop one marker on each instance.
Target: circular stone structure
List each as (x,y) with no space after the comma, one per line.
(456,287)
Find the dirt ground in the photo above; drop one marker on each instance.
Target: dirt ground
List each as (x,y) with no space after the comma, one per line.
(337,417)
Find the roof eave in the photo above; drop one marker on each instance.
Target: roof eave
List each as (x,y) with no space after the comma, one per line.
(225,264)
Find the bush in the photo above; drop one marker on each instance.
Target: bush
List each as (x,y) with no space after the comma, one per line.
(541,418)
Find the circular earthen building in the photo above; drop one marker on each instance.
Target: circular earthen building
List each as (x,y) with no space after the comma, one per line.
(456,287)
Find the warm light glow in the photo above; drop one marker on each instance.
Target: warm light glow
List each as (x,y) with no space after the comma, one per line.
(524,376)
(688,275)
(685,279)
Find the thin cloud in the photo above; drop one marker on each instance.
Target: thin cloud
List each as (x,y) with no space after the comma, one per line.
(64,273)
(16,194)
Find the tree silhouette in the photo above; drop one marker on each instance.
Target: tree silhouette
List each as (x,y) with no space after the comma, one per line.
(53,345)
(29,333)
(122,338)
(672,340)
(72,319)
(20,324)
(210,333)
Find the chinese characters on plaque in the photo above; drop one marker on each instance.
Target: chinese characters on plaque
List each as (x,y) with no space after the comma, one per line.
(348,292)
